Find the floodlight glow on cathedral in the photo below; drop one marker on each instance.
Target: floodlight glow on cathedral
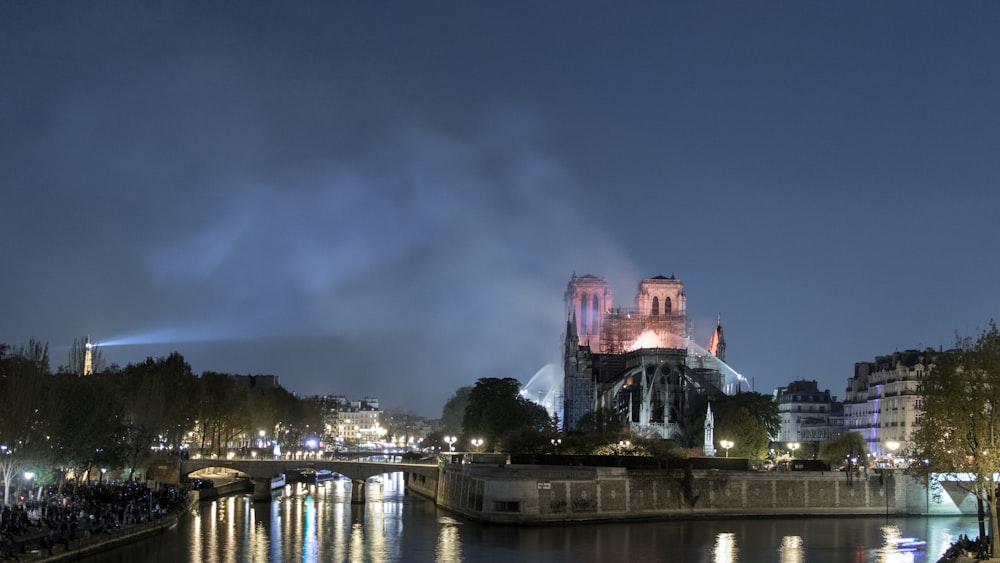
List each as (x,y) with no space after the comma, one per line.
(640,363)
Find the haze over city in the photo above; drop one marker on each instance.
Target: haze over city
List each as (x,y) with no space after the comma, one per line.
(389,199)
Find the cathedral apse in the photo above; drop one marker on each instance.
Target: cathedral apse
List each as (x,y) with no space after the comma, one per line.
(638,362)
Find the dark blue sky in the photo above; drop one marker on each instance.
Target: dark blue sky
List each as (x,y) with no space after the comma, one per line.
(388,198)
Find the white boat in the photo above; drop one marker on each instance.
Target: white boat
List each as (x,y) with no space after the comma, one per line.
(278,481)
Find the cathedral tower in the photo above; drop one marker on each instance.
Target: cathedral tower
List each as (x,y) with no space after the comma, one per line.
(588,299)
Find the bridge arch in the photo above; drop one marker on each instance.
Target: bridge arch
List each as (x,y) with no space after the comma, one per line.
(264,469)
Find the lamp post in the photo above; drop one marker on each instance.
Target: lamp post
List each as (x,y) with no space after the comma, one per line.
(726,444)
(28,476)
(451,442)
(477,443)
(793,447)
(623,444)
(892,446)
(555,444)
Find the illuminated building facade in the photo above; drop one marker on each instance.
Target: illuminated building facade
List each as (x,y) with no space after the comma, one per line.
(807,414)
(882,402)
(638,362)
(352,423)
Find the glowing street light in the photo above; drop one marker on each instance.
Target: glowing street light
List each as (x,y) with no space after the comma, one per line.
(476,443)
(726,444)
(892,446)
(623,445)
(451,442)
(793,446)
(555,444)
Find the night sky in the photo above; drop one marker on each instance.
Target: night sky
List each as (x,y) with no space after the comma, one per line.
(388,198)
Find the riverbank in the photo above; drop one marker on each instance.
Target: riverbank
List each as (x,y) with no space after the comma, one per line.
(42,546)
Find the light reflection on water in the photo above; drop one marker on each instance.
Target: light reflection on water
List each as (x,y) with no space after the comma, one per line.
(318,523)
(790,550)
(724,550)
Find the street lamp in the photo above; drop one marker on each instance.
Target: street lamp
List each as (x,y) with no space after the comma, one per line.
(477,443)
(451,442)
(892,446)
(726,444)
(555,444)
(623,444)
(793,446)
(28,476)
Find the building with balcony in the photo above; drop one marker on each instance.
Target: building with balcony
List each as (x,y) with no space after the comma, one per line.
(882,402)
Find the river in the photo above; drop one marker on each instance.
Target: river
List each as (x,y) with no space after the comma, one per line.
(314,524)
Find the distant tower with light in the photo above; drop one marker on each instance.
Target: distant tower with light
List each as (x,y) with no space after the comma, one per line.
(88,358)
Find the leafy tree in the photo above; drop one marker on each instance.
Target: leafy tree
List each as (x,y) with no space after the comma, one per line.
(85,415)
(155,407)
(453,412)
(600,421)
(747,432)
(960,418)
(847,447)
(222,411)
(762,407)
(594,432)
(497,413)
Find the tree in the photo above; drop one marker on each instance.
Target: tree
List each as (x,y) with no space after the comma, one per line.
(78,355)
(762,407)
(497,413)
(959,430)
(24,382)
(847,448)
(453,412)
(86,419)
(746,431)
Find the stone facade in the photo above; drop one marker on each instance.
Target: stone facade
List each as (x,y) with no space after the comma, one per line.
(882,401)
(540,494)
(639,363)
(807,414)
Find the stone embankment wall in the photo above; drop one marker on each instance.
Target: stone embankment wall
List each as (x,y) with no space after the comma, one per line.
(542,494)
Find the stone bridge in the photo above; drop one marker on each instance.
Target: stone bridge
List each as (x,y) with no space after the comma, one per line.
(262,470)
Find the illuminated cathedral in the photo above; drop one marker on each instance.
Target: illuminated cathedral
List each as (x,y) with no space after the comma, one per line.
(640,362)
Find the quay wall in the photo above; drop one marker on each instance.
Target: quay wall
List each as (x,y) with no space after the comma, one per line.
(538,494)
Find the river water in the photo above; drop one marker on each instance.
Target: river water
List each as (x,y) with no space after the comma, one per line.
(313,524)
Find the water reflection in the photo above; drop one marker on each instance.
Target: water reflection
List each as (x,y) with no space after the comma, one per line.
(724,550)
(313,524)
(791,550)
(895,548)
(449,546)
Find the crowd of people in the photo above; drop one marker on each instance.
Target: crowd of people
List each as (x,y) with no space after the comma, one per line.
(964,547)
(59,517)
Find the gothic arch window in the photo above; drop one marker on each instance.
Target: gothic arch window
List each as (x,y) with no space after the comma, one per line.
(656,306)
(593,313)
(666,305)
(584,313)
